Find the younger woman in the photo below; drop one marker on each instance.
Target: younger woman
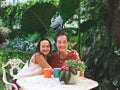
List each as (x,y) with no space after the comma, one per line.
(37,62)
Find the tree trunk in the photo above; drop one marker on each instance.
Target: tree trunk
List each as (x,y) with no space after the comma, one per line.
(114,20)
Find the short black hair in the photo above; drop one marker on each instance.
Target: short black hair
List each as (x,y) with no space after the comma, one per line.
(61,33)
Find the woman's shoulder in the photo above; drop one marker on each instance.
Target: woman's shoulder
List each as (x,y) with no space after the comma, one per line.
(37,54)
(74,54)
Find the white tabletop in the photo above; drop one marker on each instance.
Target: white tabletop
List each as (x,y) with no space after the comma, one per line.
(40,83)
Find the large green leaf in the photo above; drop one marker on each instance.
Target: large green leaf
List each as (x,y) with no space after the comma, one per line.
(38,18)
(67,8)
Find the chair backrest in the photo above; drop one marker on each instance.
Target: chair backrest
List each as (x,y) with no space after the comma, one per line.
(15,64)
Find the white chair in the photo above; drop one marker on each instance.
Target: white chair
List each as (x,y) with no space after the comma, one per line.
(15,64)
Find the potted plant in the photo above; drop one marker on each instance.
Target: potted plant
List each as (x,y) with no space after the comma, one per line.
(71,67)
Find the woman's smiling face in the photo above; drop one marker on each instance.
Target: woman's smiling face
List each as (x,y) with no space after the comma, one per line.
(62,43)
(44,47)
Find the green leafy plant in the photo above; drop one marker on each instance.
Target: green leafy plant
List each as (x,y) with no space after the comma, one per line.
(38,18)
(70,67)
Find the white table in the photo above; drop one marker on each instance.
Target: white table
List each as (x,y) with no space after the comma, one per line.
(40,83)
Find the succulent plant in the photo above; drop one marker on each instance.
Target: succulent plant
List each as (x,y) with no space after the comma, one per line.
(70,66)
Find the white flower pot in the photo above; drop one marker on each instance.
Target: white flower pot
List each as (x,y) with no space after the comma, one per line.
(74,78)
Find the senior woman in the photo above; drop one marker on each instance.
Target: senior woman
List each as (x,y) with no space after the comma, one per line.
(57,59)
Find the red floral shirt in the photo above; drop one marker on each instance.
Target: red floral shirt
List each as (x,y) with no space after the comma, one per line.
(54,61)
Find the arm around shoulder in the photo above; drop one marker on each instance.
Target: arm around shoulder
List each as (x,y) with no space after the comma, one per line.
(76,55)
(39,58)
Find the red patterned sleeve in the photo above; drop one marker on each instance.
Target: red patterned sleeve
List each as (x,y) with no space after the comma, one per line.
(76,55)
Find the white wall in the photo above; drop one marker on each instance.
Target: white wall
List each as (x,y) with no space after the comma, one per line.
(7,2)
(15,1)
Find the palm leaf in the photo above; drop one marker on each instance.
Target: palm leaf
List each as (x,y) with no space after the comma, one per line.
(38,18)
(67,8)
